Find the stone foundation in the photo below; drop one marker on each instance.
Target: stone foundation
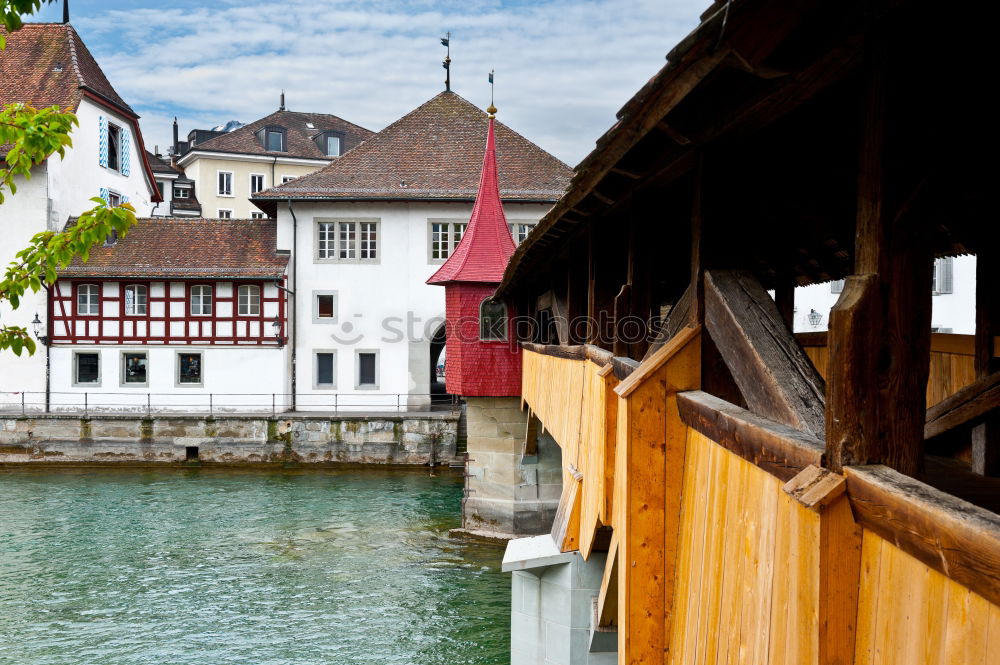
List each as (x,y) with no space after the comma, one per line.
(369,439)
(510,494)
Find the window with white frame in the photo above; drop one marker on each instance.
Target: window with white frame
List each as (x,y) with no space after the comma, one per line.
(444,238)
(114,147)
(88,300)
(190,368)
(366,377)
(86,368)
(257,215)
(225,213)
(182,192)
(135,367)
(275,139)
(325,369)
(248,298)
(135,300)
(492,321)
(324,306)
(347,240)
(225,183)
(519,231)
(114,199)
(201,300)
(256,182)
(287,178)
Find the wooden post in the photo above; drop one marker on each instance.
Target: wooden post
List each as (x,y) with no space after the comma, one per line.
(879,341)
(784,297)
(986,436)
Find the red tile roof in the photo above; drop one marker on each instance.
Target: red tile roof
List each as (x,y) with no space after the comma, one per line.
(486,245)
(299,135)
(48,63)
(161,247)
(431,153)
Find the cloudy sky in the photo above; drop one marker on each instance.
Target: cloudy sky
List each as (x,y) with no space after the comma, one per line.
(563,67)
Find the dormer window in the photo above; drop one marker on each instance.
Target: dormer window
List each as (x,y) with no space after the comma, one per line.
(273,139)
(330,143)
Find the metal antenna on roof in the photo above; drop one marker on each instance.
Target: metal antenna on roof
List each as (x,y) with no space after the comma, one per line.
(65,11)
(446,42)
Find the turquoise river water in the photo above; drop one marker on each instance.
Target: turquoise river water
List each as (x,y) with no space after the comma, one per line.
(215,567)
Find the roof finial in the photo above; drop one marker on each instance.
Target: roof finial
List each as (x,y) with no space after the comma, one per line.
(446,42)
(492,110)
(65,11)
(282,106)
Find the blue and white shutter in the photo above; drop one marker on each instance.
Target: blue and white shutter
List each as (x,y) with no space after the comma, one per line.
(124,198)
(126,162)
(102,142)
(105,194)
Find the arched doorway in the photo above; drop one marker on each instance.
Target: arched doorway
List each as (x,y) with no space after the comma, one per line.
(438,358)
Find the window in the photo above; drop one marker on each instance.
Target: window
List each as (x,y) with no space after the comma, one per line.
(367,364)
(162,189)
(275,140)
(258,215)
(111,239)
(182,192)
(201,300)
(114,147)
(354,240)
(943,276)
(332,146)
(134,368)
(135,300)
(326,369)
(190,370)
(444,238)
(324,306)
(86,369)
(287,178)
(492,321)
(249,300)
(520,231)
(256,182)
(225,213)
(114,199)
(837,286)
(225,183)
(88,300)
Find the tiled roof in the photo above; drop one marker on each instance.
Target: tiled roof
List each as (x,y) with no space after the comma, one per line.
(486,245)
(433,152)
(48,63)
(160,165)
(162,247)
(298,135)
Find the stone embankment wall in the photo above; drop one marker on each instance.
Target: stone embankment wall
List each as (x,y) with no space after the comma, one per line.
(406,438)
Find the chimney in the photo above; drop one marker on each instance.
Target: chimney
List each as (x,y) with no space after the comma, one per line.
(282,107)
(65,11)
(176,150)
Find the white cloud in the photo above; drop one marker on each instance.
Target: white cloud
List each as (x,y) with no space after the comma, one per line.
(564,67)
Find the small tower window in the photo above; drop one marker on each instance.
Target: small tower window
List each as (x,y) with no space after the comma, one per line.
(492,321)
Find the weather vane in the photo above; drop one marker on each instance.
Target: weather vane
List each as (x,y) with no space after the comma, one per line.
(446,42)
(492,110)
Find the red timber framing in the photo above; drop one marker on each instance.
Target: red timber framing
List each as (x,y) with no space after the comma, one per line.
(168,319)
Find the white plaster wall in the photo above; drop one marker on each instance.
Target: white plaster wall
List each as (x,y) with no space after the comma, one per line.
(225,370)
(384,306)
(955,310)
(163,209)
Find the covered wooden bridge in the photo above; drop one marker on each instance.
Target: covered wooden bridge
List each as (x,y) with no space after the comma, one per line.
(765,498)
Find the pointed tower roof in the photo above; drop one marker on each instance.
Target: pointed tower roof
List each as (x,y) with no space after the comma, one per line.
(486,245)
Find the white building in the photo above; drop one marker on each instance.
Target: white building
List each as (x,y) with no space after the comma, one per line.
(953,306)
(367,231)
(43,65)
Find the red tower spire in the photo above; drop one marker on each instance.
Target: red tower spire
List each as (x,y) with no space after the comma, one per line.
(486,245)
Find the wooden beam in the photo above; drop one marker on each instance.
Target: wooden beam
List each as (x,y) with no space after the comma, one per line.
(681,316)
(815,487)
(784,298)
(952,536)
(566,525)
(774,447)
(621,313)
(776,377)
(986,435)
(607,598)
(971,403)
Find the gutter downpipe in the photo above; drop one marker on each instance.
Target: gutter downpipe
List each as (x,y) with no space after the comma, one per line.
(295,287)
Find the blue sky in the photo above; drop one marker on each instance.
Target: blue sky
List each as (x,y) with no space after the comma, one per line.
(564,67)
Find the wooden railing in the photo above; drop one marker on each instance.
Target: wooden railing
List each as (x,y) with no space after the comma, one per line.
(731,542)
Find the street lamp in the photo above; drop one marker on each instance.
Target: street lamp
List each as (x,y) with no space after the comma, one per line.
(37,326)
(276,325)
(814,317)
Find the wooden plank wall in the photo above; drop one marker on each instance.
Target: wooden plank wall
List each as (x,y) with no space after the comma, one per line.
(914,615)
(952,359)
